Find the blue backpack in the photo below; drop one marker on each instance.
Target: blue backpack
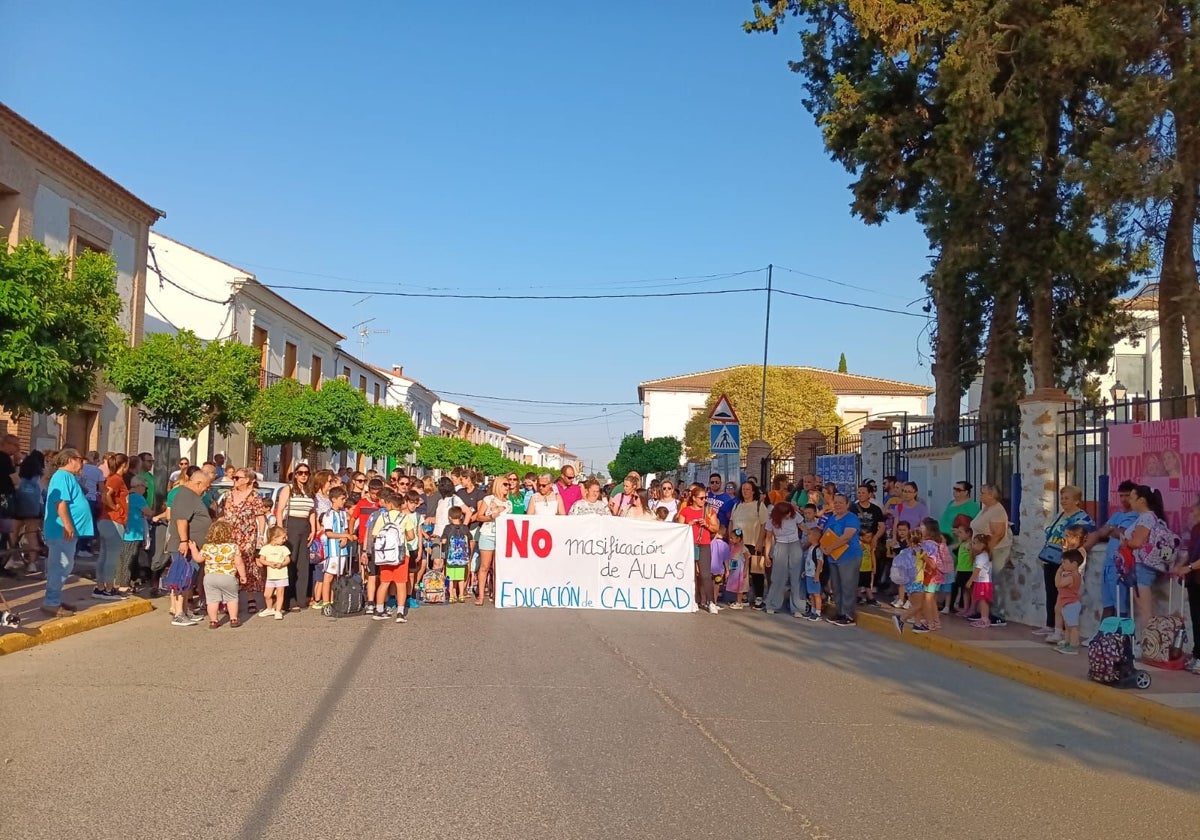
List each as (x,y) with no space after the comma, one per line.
(904,568)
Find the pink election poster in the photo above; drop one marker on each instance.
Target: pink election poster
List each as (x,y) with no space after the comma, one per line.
(1164,454)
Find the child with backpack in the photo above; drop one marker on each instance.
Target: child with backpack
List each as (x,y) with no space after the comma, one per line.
(980,594)
(937,564)
(391,559)
(814,563)
(901,535)
(908,574)
(457,548)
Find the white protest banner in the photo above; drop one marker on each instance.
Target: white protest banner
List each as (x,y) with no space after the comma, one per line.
(594,562)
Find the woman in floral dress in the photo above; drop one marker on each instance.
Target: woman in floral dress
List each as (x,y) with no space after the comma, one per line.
(246,512)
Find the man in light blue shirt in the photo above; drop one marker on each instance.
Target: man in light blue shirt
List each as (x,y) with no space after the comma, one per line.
(1113,597)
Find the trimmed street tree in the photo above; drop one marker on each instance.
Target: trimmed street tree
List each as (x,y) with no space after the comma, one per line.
(181,381)
(338,413)
(646,456)
(289,412)
(385,432)
(796,400)
(440,453)
(489,460)
(58,327)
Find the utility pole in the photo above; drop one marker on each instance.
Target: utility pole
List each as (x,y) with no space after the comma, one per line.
(762,401)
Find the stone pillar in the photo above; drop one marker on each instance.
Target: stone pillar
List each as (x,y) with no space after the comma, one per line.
(808,445)
(1024,594)
(874,444)
(758,452)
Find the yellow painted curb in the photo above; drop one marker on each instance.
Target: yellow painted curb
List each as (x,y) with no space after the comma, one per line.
(1123,702)
(60,628)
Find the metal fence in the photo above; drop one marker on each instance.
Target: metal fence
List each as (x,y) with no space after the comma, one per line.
(1081,451)
(990,448)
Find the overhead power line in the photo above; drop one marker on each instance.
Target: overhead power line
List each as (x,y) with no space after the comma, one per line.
(834,282)
(819,299)
(465,296)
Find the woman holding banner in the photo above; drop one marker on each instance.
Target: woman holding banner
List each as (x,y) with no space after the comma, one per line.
(591,504)
(490,509)
(704,524)
(545,500)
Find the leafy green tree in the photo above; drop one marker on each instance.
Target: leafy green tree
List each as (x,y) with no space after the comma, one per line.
(842,364)
(645,456)
(982,120)
(187,383)
(796,400)
(58,327)
(289,412)
(385,432)
(339,410)
(489,460)
(283,413)
(441,453)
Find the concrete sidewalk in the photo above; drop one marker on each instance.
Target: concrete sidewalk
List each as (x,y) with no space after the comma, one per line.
(23,595)
(1172,702)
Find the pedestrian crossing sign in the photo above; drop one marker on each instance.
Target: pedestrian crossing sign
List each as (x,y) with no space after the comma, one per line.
(725,438)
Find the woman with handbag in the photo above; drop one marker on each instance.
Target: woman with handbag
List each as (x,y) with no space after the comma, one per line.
(750,515)
(1071,512)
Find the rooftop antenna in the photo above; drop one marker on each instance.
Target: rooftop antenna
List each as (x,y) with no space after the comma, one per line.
(363,332)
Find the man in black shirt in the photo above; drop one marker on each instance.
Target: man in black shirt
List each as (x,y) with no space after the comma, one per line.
(871,531)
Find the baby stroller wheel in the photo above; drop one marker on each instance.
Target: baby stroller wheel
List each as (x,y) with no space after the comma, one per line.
(327,610)
(1142,680)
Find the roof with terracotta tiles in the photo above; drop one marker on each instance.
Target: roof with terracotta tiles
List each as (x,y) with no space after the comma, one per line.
(839,383)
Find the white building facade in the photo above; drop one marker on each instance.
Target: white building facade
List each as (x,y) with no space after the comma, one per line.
(189,289)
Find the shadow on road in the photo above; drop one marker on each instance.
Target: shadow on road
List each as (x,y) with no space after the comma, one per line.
(1044,726)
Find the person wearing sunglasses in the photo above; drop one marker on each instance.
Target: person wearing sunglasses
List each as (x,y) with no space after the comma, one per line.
(666,499)
(295,510)
(356,488)
(246,512)
(545,501)
(567,488)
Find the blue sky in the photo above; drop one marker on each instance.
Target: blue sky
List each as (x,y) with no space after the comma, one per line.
(492,148)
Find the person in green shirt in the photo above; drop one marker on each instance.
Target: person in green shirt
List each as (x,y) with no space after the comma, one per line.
(962,505)
(516,494)
(147,475)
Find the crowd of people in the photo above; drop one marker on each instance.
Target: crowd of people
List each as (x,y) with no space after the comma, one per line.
(804,548)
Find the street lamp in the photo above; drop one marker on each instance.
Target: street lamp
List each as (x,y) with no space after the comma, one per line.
(1119,392)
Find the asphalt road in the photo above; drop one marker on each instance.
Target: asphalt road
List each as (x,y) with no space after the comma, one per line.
(471,722)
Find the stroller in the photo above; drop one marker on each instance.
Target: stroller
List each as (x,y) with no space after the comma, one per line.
(1111,657)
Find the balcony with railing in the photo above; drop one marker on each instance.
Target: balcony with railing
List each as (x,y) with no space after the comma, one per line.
(267,379)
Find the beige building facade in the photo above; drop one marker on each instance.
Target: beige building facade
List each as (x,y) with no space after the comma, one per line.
(52,195)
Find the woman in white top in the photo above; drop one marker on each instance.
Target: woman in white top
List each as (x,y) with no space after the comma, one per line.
(781,544)
(666,498)
(639,507)
(545,501)
(591,504)
(490,509)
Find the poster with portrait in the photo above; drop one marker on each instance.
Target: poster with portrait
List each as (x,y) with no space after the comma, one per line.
(1163,454)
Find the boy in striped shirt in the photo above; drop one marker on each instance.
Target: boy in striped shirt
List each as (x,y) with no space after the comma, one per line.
(335,526)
